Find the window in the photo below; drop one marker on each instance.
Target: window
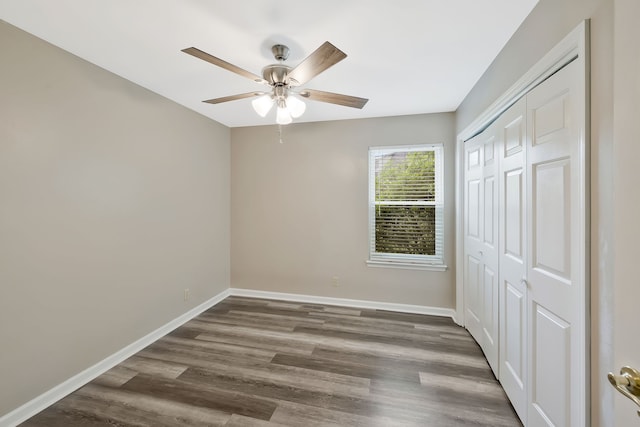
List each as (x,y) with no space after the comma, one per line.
(406,207)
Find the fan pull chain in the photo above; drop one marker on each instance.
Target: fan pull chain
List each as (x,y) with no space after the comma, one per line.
(280,133)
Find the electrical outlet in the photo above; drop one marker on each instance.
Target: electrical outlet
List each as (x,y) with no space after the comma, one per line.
(186,294)
(335,282)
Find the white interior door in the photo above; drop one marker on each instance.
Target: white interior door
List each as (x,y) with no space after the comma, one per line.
(481,244)
(511,134)
(555,262)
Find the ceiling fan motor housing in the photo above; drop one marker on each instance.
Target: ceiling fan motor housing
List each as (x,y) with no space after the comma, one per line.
(277,74)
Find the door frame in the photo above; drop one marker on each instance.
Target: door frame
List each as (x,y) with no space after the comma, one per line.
(574,47)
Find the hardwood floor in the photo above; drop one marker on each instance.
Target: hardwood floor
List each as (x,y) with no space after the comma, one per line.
(255,362)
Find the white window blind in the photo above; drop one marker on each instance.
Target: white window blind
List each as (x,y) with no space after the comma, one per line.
(406,205)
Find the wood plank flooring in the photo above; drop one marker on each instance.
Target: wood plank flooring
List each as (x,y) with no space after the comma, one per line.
(256,362)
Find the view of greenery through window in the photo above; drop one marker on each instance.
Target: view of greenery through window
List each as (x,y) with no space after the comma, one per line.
(405,216)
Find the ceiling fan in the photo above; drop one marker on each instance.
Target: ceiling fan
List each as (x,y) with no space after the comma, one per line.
(285,82)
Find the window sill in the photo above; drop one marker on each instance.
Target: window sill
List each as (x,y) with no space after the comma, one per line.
(406,265)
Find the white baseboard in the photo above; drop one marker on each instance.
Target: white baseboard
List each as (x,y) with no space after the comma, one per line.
(48,398)
(404,308)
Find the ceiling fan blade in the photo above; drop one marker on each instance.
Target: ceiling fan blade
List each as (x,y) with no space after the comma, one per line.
(322,58)
(223,64)
(233,97)
(334,98)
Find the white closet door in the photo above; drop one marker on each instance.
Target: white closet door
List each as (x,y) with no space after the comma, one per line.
(511,134)
(555,251)
(481,244)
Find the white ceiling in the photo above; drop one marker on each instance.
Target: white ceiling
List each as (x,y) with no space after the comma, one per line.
(406,56)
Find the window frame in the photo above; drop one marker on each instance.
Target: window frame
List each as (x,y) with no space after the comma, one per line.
(408,261)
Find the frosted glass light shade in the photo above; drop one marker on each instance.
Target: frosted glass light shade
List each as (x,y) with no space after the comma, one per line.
(283,117)
(262,105)
(296,106)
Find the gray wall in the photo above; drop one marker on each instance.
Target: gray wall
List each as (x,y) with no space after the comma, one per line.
(548,23)
(112,201)
(299,210)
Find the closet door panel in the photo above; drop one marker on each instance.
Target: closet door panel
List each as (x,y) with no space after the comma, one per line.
(473,213)
(481,244)
(490,312)
(551,367)
(474,297)
(490,211)
(512,234)
(473,268)
(513,132)
(513,214)
(555,273)
(551,218)
(514,357)
(490,326)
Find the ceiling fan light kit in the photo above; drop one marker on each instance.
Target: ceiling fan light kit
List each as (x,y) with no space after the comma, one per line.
(283,117)
(296,106)
(284,82)
(262,105)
